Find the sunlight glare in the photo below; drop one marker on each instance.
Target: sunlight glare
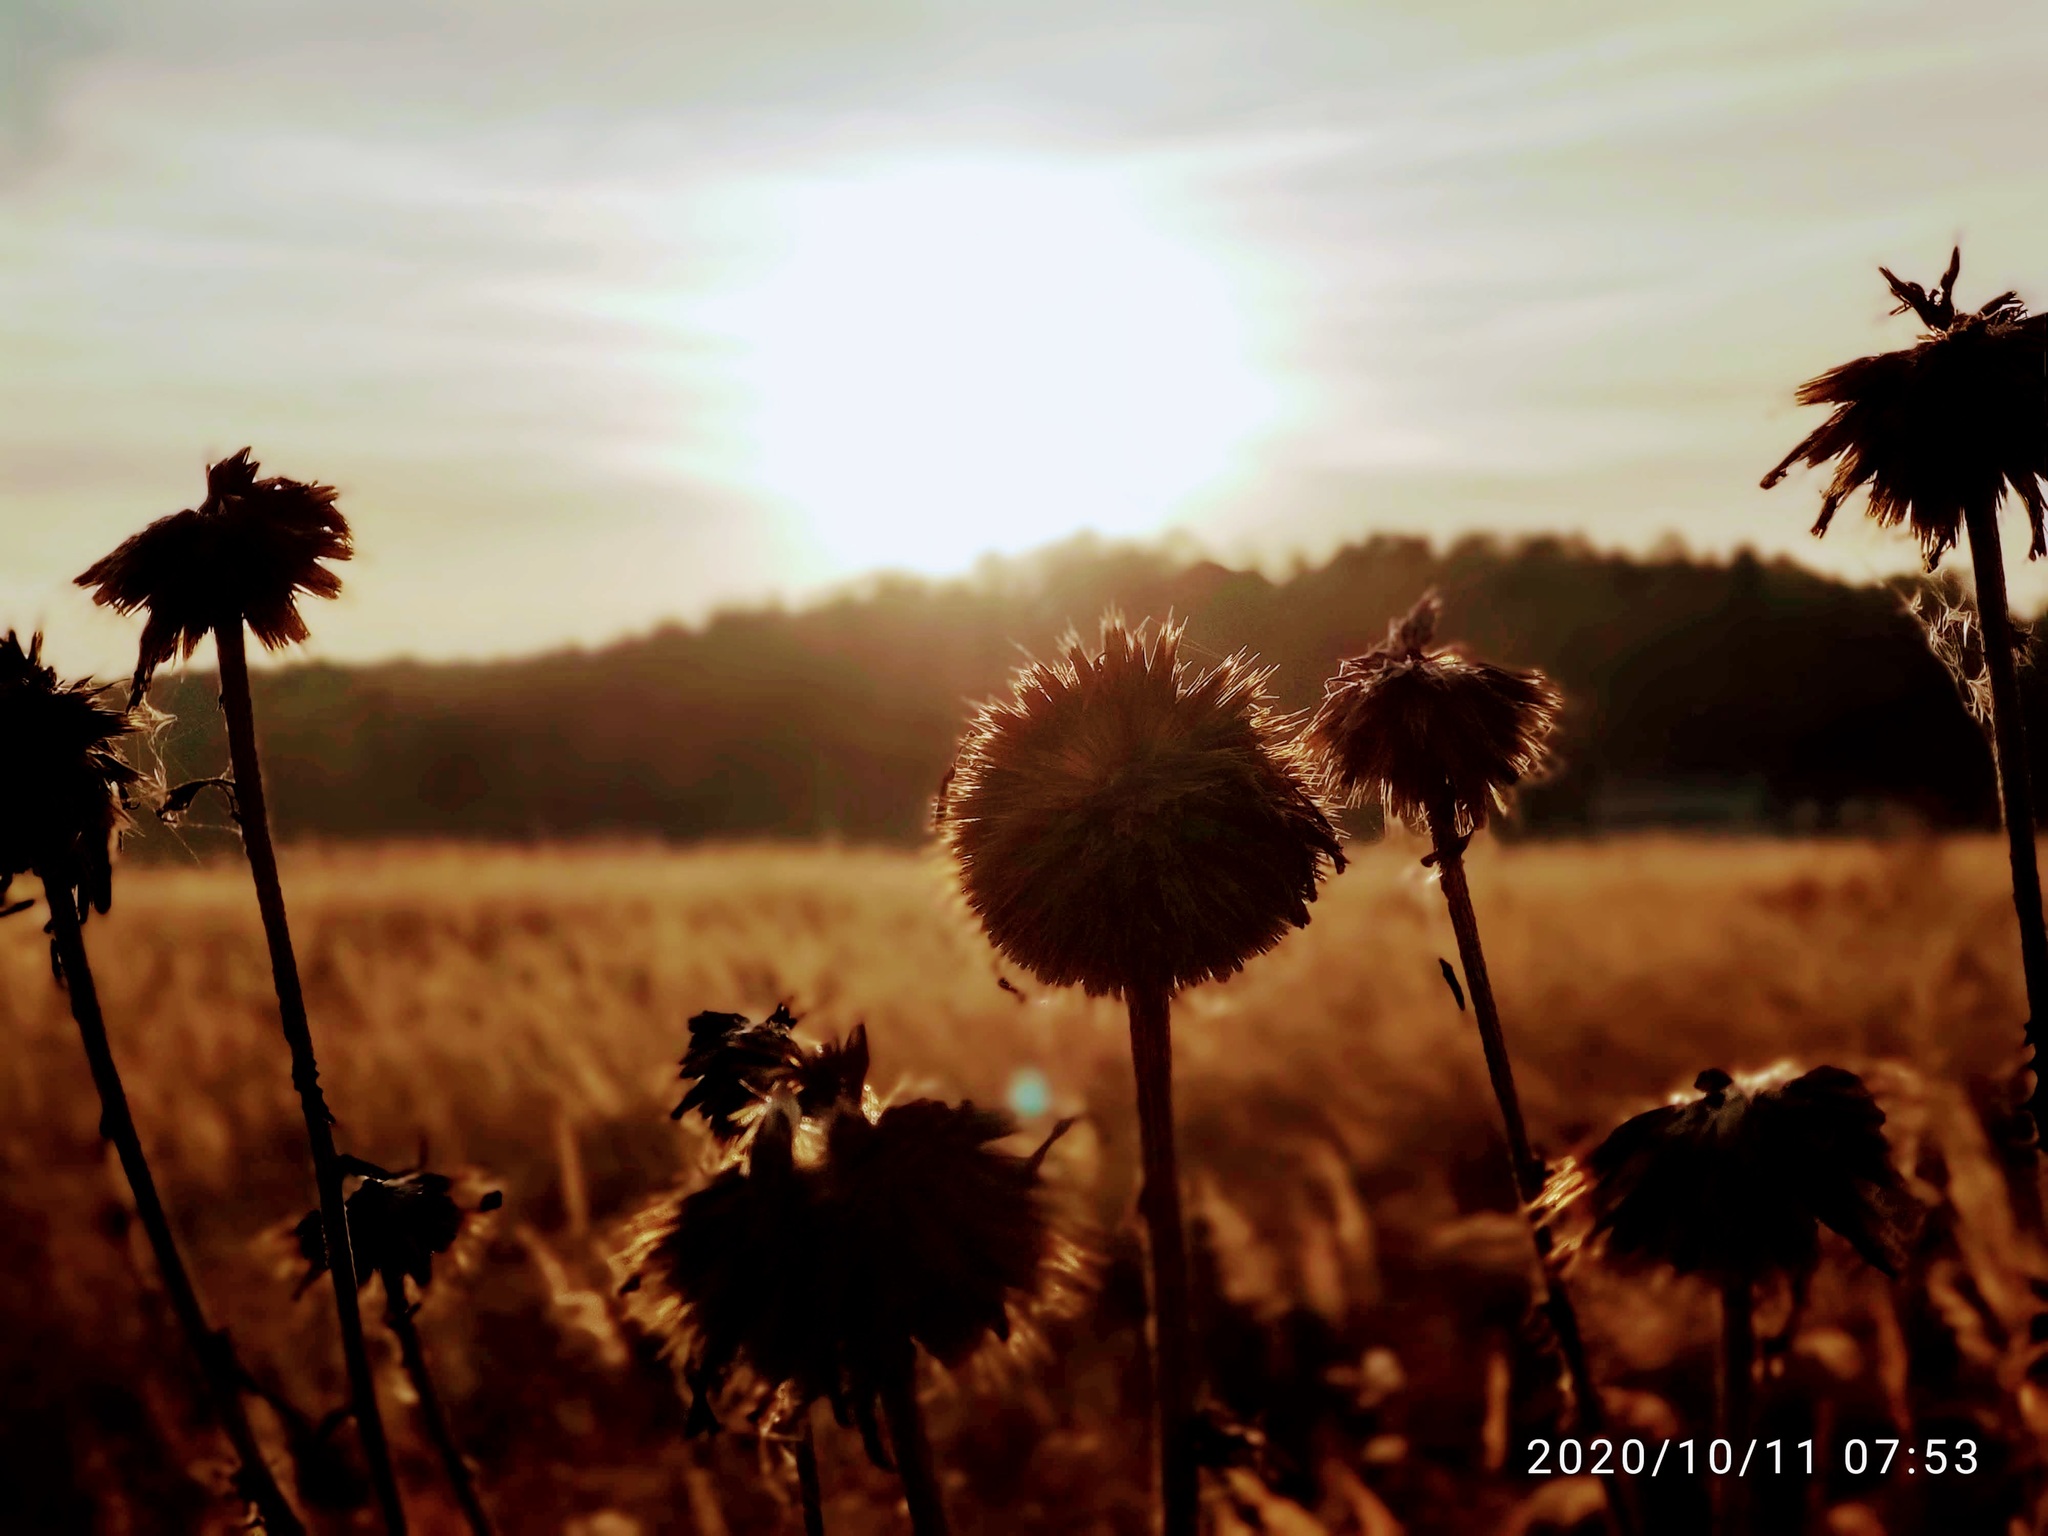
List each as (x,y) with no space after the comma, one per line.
(955,358)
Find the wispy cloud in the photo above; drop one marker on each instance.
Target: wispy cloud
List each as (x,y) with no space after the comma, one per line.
(1512,266)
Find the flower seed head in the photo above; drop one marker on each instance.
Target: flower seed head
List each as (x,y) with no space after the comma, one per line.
(1737,1183)
(244,555)
(1940,428)
(1430,733)
(64,789)
(1124,820)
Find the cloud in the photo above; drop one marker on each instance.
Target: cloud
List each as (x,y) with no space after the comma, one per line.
(1558,263)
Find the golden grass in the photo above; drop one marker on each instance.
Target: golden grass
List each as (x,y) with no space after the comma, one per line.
(521,1012)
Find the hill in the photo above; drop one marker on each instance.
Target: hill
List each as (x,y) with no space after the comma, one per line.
(1739,691)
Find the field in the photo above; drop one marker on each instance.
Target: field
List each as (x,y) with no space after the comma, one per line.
(1361,1289)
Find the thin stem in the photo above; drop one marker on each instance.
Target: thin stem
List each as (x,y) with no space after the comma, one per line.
(808,1488)
(1529,1173)
(1450,863)
(913,1450)
(1736,1387)
(2015,781)
(1173,1376)
(398,1314)
(253,814)
(216,1355)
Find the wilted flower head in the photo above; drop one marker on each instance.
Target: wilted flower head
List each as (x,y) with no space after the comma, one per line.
(813,1278)
(1431,733)
(942,1233)
(1739,1182)
(243,555)
(738,1066)
(64,790)
(733,1276)
(1125,821)
(1941,427)
(397,1223)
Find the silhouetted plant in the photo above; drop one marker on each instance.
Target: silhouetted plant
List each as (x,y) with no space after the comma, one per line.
(1440,740)
(1128,822)
(1735,1187)
(737,1066)
(65,796)
(1938,433)
(837,1243)
(244,556)
(397,1223)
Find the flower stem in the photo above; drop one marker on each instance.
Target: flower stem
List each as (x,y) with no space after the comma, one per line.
(1173,1376)
(216,1355)
(253,814)
(1736,1386)
(2015,780)
(913,1449)
(1450,863)
(807,1485)
(398,1314)
(1556,1302)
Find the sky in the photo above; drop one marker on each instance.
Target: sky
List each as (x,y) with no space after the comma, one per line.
(608,313)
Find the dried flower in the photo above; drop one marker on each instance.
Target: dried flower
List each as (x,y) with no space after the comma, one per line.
(1432,733)
(243,555)
(397,1223)
(738,1066)
(814,1277)
(64,789)
(1737,1184)
(734,1274)
(941,1234)
(1129,823)
(1941,427)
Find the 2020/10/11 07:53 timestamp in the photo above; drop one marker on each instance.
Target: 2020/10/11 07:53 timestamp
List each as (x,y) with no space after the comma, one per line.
(1601,1456)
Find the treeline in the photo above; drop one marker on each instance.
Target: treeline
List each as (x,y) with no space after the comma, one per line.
(1761,691)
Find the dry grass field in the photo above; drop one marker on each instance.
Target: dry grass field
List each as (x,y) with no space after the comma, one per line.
(1361,1292)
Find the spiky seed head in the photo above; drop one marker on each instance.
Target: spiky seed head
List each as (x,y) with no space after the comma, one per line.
(1127,821)
(1939,429)
(736,1067)
(64,788)
(243,555)
(397,1223)
(1737,1183)
(1429,732)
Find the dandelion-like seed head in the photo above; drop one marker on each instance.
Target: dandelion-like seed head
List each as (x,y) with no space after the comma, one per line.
(1940,428)
(1127,821)
(64,788)
(1737,1182)
(244,555)
(1430,733)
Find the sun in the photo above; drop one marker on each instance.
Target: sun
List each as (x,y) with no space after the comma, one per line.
(940,360)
